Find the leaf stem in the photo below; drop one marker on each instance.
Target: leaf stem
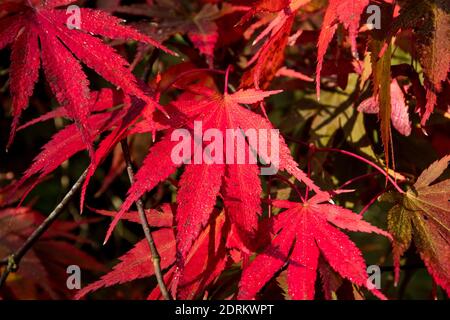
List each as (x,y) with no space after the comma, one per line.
(372,164)
(227,74)
(293,186)
(355,179)
(310,156)
(370,203)
(353,155)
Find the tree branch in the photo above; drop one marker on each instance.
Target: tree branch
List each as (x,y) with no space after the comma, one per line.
(12,262)
(145,226)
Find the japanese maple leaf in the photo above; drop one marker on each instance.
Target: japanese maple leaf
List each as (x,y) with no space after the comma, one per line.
(303,233)
(399,111)
(61,50)
(201,183)
(422,215)
(44,265)
(269,58)
(434,51)
(430,22)
(258,6)
(170,18)
(205,262)
(347,12)
(68,141)
(136,263)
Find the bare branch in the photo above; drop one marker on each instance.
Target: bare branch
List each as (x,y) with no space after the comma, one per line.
(12,262)
(145,226)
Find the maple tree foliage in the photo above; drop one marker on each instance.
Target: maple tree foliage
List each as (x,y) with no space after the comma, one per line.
(422,215)
(308,225)
(357,92)
(45,23)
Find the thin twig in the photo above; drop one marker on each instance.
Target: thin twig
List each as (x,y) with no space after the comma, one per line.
(351,154)
(12,261)
(310,156)
(361,177)
(293,186)
(383,172)
(156,259)
(370,203)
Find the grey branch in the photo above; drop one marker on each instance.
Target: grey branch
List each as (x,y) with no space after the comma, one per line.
(12,262)
(156,259)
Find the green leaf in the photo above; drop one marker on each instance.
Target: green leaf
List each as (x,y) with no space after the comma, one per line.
(423,216)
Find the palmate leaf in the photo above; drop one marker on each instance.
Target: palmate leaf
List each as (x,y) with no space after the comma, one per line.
(268,59)
(301,234)
(422,215)
(168,15)
(430,22)
(217,229)
(204,263)
(61,50)
(399,109)
(347,12)
(68,141)
(197,196)
(434,51)
(266,62)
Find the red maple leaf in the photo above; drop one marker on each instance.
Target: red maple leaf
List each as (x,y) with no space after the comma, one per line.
(347,12)
(399,112)
(201,183)
(204,263)
(301,234)
(61,50)
(170,18)
(269,58)
(68,141)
